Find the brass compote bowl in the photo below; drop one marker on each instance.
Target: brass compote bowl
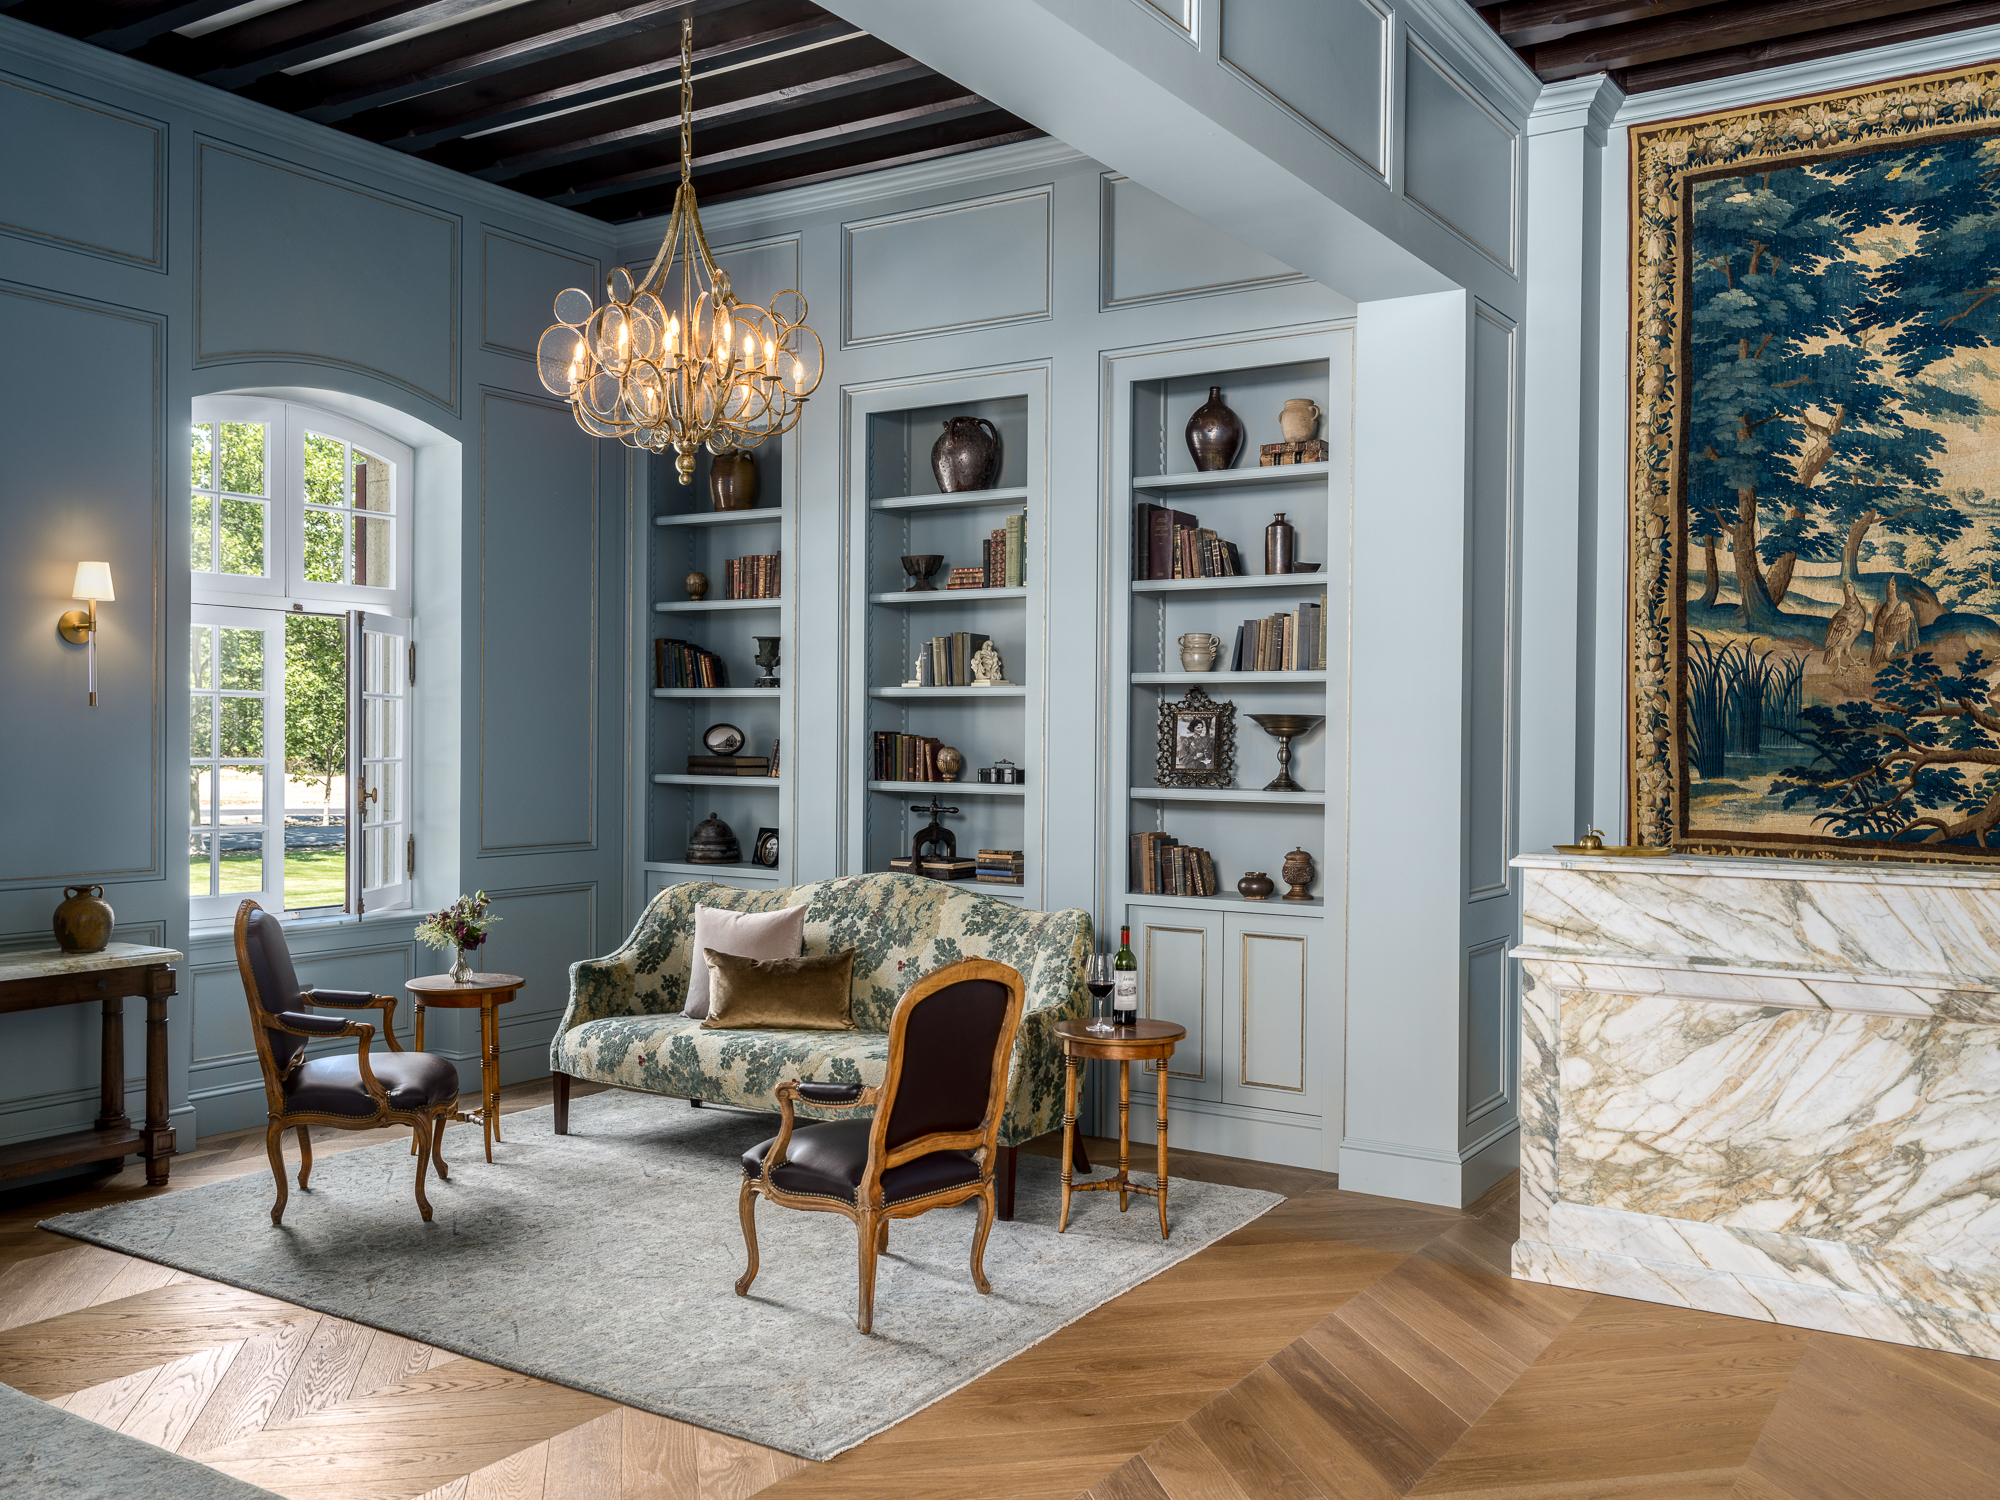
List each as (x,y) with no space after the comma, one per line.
(1283,727)
(920,568)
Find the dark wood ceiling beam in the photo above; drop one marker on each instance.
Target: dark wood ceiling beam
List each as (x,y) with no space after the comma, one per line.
(288,38)
(658,107)
(973,134)
(1831,42)
(779,104)
(119,25)
(1739,23)
(520,98)
(1523,23)
(853,132)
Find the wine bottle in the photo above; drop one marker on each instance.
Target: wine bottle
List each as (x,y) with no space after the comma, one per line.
(1125,1000)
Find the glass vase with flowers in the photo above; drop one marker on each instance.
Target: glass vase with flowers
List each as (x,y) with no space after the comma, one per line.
(462,926)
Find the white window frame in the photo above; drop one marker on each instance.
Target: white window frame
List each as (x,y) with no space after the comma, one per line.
(271,623)
(243,601)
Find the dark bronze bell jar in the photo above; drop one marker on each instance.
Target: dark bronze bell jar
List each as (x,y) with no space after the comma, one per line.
(714,843)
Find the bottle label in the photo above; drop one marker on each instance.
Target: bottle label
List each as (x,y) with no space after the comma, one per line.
(1126,1000)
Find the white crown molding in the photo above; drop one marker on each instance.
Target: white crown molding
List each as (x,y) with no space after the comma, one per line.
(310,145)
(1956,49)
(1475,49)
(1586,104)
(788,205)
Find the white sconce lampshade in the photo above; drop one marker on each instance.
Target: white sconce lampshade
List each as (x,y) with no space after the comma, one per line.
(93,581)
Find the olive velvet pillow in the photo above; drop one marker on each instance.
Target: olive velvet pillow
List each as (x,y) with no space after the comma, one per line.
(798,994)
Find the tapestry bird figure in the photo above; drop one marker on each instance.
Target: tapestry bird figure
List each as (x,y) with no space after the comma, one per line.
(1844,628)
(1895,625)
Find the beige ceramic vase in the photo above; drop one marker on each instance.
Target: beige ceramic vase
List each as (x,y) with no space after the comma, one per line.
(697,585)
(1299,420)
(1198,651)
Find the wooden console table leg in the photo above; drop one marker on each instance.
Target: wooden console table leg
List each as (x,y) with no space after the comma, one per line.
(1160,1145)
(1069,1137)
(111,1104)
(493,1086)
(159,1134)
(1124,1129)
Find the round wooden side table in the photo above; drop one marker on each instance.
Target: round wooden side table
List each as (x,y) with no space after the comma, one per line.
(485,993)
(1143,1041)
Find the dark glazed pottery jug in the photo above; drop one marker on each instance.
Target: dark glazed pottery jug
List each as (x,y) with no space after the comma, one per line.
(965,458)
(1256,886)
(83,922)
(732,480)
(1214,433)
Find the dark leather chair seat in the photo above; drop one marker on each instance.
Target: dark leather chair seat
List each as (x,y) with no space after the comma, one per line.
(828,1161)
(332,1085)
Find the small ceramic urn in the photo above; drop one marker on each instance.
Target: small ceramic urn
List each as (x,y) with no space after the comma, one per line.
(1298,420)
(964,457)
(1256,886)
(732,480)
(1198,651)
(1214,433)
(83,922)
(1298,873)
(949,763)
(697,585)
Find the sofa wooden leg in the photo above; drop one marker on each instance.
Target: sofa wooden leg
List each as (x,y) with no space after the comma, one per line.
(694,1104)
(561,1082)
(1003,1183)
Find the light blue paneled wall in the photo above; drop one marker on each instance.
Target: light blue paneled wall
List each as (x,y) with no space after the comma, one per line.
(159,241)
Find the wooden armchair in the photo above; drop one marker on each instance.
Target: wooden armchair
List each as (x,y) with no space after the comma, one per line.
(933,1139)
(418,1089)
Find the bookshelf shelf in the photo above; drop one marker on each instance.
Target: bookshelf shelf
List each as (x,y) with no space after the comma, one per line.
(894,427)
(1231,479)
(946,596)
(742,871)
(1009,499)
(1015,691)
(705,606)
(725,517)
(951,788)
(1255,583)
(1230,679)
(716,692)
(676,778)
(1230,901)
(1226,794)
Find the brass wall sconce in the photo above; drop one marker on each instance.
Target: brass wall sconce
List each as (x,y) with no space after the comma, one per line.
(79,626)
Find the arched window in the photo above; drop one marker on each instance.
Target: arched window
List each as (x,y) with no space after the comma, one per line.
(301,662)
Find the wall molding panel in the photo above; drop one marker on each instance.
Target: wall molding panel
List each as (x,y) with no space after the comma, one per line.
(292,264)
(1152,251)
(1281,52)
(1461,158)
(119,210)
(513,270)
(989,259)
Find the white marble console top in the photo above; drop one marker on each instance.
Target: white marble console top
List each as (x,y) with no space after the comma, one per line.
(40,963)
(1747,867)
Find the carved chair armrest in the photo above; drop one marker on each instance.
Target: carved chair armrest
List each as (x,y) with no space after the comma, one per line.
(792,1089)
(360,1000)
(298,1023)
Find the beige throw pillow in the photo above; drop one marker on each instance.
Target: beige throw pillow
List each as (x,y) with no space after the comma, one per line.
(798,994)
(747,934)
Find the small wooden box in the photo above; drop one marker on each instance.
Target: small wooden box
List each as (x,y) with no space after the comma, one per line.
(1311,451)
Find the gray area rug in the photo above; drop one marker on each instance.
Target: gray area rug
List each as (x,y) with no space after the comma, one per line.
(605,1260)
(47,1454)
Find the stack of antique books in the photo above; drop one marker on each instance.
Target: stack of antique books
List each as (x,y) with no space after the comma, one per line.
(1000,867)
(946,660)
(1163,866)
(682,664)
(1169,543)
(904,757)
(936,869)
(751,577)
(729,765)
(1294,642)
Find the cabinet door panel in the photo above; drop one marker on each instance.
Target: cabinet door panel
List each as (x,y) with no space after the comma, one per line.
(1180,980)
(1268,989)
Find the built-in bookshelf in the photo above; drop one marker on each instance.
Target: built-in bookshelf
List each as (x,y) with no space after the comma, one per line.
(1253,981)
(897,510)
(687,535)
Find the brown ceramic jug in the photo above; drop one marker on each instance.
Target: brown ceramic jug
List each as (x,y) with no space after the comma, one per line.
(965,458)
(732,480)
(83,922)
(1256,886)
(1214,433)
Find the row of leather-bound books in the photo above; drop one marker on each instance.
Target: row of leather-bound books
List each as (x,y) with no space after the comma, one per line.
(1161,865)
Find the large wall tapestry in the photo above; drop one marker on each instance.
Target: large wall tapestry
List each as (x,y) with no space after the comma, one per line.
(1815,579)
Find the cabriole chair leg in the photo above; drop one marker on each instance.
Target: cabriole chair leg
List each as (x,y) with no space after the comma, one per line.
(305,1158)
(423,1135)
(986,1211)
(746,1209)
(865,1320)
(437,1149)
(274,1144)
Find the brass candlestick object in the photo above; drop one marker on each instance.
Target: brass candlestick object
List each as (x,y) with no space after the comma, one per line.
(1283,727)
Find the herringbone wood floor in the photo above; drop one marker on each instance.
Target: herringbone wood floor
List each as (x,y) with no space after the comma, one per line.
(1341,1348)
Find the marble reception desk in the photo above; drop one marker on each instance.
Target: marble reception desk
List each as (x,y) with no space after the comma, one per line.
(1766,1087)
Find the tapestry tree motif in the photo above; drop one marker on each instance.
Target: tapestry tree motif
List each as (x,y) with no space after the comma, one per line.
(1815,533)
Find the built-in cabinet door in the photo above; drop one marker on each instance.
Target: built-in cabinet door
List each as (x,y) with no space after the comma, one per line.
(1181,980)
(1268,984)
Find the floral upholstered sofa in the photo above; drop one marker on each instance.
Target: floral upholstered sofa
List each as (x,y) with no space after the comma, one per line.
(624,1024)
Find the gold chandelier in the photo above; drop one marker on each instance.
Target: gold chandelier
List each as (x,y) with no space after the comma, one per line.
(713,372)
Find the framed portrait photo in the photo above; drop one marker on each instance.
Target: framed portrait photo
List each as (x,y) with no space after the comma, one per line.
(1197,742)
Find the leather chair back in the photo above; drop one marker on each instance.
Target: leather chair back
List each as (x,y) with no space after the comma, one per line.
(949,1080)
(273,982)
